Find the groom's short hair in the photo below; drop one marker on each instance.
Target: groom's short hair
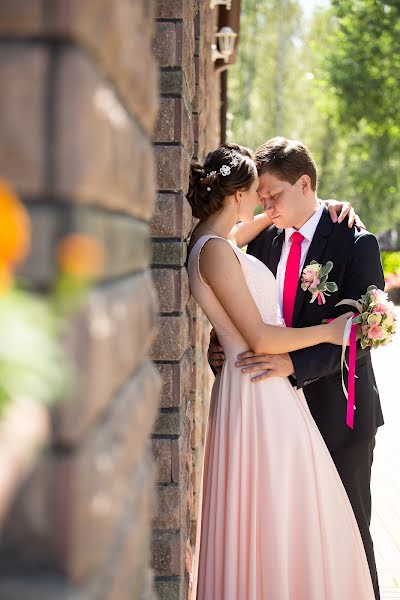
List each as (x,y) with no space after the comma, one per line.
(287,159)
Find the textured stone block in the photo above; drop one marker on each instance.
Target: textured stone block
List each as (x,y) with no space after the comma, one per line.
(106,343)
(188,60)
(107,160)
(172,217)
(181,452)
(175,380)
(169,502)
(125,572)
(23,80)
(85,492)
(169,422)
(125,240)
(173,289)
(165,126)
(46,587)
(173,164)
(173,338)
(116,33)
(174,48)
(168,43)
(174,123)
(175,9)
(169,254)
(162,458)
(173,83)
(167,554)
(169,589)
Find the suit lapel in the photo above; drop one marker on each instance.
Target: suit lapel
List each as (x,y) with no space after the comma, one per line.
(315,252)
(276,250)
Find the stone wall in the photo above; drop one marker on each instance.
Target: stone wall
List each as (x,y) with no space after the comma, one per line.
(78,102)
(81,142)
(188,126)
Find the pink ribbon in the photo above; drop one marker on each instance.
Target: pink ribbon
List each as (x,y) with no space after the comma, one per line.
(351,378)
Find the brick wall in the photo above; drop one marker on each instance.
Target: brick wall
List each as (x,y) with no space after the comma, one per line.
(77,107)
(187,126)
(80,141)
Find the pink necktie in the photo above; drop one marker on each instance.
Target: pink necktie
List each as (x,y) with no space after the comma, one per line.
(291,277)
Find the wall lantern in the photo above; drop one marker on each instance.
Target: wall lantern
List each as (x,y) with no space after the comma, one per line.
(226,3)
(226,42)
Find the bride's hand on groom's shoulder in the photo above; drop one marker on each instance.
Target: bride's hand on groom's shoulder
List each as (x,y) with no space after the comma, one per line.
(265,365)
(340,210)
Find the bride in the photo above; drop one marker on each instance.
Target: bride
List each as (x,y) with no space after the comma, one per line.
(275,521)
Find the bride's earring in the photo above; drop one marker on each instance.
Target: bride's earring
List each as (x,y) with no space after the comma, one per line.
(238,217)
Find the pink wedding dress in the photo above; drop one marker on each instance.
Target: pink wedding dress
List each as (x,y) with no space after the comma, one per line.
(275,522)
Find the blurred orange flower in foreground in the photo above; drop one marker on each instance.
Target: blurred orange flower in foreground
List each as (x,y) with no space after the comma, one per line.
(5,279)
(80,256)
(14,227)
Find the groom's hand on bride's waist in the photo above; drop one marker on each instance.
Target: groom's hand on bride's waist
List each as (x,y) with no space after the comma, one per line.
(216,356)
(270,365)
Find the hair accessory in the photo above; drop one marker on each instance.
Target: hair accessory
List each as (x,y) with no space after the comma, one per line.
(225,170)
(208,189)
(212,173)
(235,159)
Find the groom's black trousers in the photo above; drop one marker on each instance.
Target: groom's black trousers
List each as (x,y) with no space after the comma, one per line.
(354,464)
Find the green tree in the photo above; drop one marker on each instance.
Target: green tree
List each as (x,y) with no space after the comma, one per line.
(331,83)
(258,81)
(363,69)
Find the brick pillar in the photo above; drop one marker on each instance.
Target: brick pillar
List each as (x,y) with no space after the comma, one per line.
(189,96)
(173,139)
(206,134)
(78,102)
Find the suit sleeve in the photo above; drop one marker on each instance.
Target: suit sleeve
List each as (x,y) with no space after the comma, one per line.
(363,269)
(257,246)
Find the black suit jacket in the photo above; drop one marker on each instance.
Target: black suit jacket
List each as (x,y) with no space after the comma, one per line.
(356,265)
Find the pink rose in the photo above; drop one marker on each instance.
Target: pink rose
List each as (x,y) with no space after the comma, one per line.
(378,296)
(315,283)
(376,332)
(365,329)
(380,308)
(308,276)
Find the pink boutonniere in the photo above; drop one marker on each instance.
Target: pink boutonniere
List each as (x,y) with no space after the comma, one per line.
(315,280)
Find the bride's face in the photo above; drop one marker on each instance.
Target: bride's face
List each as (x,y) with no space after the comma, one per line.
(250,199)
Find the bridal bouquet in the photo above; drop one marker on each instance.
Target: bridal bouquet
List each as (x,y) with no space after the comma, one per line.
(377,320)
(374,325)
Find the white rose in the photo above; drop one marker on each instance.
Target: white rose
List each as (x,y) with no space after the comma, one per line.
(375,319)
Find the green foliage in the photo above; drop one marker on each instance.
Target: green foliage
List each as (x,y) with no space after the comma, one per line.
(31,360)
(391,262)
(363,67)
(333,83)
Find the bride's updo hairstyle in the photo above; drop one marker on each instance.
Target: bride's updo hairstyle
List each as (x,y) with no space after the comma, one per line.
(228,169)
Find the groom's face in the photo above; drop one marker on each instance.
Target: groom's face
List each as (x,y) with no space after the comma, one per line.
(282,201)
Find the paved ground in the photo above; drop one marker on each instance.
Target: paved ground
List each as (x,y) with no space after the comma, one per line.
(386,472)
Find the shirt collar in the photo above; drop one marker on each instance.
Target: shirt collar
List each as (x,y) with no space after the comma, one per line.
(309,227)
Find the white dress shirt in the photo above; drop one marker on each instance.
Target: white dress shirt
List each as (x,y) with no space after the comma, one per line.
(307,231)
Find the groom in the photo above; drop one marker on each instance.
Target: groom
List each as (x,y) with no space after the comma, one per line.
(302,232)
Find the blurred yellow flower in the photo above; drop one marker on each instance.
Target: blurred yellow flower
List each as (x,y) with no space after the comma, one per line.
(80,256)
(14,228)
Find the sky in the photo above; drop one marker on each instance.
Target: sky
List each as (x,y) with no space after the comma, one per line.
(310,5)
